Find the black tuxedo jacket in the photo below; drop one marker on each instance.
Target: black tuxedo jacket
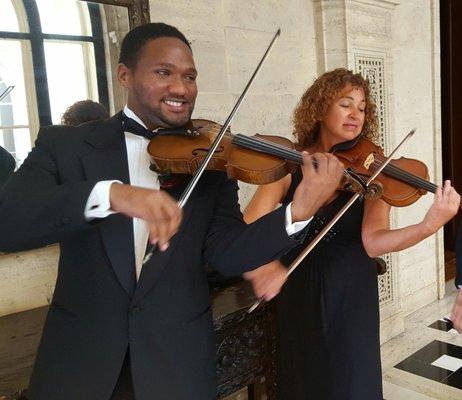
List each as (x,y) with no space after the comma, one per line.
(97,312)
(7,165)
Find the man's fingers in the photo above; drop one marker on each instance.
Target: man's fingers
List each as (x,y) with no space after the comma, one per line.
(308,161)
(164,224)
(446,191)
(164,235)
(167,228)
(438,194)
(322,163)
(335,167)
(153,234)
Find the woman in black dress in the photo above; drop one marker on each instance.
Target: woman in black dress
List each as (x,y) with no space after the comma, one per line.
(328,311)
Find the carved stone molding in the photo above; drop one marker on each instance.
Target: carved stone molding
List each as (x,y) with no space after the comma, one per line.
(372,66)
(387,4)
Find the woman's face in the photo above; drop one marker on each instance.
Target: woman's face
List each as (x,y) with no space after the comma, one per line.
(344,119)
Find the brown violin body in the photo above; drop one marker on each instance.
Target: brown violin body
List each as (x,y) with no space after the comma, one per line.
(401,183)
(240,163)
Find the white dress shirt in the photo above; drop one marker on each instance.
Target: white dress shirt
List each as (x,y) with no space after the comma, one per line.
(98,204)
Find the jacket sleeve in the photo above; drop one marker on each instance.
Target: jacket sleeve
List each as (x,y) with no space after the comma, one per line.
(35,208)
(233,247)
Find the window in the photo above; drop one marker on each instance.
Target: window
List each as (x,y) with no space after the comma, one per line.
(53,55)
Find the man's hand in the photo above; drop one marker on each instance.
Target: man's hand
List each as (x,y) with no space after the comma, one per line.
(317,186)
(456,313)
(156,207)
(267,280)
(444,207)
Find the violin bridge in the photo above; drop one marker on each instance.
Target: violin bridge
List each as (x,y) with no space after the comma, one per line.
(369,160)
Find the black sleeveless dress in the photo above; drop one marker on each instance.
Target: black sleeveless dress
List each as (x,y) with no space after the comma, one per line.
(328,314)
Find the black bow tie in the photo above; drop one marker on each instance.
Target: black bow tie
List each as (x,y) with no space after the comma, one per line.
(130,125)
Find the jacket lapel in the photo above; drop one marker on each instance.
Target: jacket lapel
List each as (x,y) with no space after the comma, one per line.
(107,160)
(152,270)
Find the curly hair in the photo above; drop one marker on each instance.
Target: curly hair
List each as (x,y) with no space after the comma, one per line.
(319,96)
(84,111)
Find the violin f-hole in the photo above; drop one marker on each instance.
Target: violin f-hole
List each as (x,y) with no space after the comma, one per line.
(197,152)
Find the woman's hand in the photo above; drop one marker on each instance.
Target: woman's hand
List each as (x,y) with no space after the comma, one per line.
(267,280)
(444,207)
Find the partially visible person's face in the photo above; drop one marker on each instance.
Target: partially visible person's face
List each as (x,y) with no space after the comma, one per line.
(162,86)
(344,119)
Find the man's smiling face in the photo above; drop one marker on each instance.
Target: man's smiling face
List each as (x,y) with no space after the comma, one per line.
(162,85)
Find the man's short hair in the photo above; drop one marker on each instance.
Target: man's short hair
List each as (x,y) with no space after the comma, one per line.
(134,41)
(84,111)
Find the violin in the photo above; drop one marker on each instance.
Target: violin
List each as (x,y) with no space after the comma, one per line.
(401,183)
(263,159)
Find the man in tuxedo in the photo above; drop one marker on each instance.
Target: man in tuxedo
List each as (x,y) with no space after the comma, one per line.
(7,165)
(118,329)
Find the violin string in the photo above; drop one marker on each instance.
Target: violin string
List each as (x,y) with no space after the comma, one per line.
(273,148)
(409,177)
(269,147)
(412,180)
(265,145)
(282,150)
(405,176)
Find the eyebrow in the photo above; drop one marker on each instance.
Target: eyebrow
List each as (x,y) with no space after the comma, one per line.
(169,65)
(351,98)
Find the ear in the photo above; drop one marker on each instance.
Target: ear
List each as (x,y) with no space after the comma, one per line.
(124,75)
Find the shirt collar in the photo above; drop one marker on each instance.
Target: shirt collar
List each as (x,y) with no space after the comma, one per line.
(130,114)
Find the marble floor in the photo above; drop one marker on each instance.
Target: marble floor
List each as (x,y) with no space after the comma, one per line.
(425,362)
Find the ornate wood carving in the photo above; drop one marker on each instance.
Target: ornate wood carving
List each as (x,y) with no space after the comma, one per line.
(245,343)
(138,10)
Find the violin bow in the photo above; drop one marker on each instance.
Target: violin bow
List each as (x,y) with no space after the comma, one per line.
(337,216)
(193,182)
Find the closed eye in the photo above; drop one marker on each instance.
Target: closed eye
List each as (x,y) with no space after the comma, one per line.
(162,72)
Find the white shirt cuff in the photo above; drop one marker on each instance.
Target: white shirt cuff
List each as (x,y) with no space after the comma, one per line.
(294,227)
(98,203)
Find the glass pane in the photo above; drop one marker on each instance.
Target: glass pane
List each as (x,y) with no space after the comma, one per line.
(13,107)
(17,142)
(65,17)
(73,82)
(8,19)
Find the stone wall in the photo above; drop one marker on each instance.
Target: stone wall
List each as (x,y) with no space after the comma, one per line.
(416,88)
